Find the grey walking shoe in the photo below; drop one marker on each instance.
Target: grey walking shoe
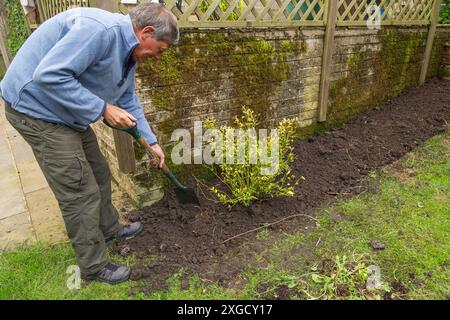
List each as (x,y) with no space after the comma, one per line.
(111,273)
(126,232)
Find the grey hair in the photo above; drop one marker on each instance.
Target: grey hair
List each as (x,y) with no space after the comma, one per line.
(159,17)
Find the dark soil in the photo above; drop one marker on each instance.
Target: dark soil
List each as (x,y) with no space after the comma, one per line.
(332,163)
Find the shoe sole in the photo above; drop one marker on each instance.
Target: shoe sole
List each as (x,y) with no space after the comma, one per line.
(89,279)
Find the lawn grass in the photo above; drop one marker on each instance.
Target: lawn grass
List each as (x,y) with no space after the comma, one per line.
(39,272)
(408,214)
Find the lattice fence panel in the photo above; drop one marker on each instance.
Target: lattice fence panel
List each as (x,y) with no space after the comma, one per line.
(277,13)
(220,13)
(360,12)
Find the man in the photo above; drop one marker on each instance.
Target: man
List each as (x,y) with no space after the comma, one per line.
(75,68)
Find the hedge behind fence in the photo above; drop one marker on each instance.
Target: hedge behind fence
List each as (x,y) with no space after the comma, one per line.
(17,25)
(445,12)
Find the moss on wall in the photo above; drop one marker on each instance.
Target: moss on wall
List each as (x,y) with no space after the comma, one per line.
(444,68)
(436,57)
(374,77)
(261,69)
(255,67)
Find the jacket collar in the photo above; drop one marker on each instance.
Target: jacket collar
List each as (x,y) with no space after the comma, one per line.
(128,34)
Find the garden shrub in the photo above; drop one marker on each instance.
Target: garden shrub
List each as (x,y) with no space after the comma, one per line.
(248,180)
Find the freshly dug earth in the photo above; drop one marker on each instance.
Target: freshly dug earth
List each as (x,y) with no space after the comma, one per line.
(332,163)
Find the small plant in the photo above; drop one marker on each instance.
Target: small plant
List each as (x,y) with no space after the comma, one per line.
(253,177)
(263,234)
(344,277)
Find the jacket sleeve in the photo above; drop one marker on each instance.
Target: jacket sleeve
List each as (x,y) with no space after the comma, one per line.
(130,102)
(57,74)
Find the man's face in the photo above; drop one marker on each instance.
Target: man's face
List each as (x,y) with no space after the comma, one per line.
(148,47)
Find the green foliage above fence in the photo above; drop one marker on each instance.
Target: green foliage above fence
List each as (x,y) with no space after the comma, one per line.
(444,17)
(17,26)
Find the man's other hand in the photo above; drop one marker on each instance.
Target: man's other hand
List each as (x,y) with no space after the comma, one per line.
(118,117)
(160,154)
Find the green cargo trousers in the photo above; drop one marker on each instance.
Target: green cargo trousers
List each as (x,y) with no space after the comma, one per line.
(79,176)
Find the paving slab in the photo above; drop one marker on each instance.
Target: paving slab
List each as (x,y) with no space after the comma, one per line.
(29,211)
(46,216)
(12,199)
(16,230)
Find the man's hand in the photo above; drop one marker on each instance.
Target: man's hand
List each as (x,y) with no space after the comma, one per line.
(118,117)
(160,154)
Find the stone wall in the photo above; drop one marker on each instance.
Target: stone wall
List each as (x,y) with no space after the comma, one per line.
(440,52)
(277,73)
(444,68)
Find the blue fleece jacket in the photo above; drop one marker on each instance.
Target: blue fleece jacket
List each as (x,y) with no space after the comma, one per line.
(72,65)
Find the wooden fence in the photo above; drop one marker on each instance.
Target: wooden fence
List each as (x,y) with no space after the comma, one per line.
(50,8)
(388,12)
(277,13)
(238,13)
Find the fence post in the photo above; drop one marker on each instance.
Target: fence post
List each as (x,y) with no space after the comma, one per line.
(124,151)
(4,50)
(430,40)
(328,44)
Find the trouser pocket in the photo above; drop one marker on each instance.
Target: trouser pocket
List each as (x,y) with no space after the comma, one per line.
(68,175)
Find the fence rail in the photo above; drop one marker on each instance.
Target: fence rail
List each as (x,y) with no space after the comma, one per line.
(278,13)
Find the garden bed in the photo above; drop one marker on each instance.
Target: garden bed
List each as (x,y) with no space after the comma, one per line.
(332,163)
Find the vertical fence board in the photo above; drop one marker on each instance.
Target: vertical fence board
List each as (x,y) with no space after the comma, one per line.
(4,50)
(326,59)
(124,151)
(430,41)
